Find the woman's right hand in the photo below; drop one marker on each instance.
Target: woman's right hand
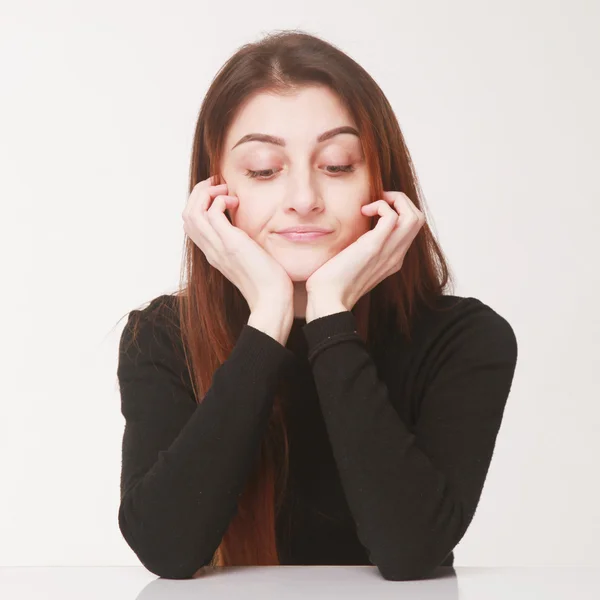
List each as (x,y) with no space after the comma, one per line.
(260,278)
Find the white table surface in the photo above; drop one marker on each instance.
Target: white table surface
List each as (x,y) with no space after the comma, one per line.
(313,582)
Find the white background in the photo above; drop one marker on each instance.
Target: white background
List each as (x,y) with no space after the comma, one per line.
(498,102)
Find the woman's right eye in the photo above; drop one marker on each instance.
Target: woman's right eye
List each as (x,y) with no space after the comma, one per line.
(258,174)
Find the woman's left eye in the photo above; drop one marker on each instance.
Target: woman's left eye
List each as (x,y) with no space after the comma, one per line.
(344,168)
(264,174)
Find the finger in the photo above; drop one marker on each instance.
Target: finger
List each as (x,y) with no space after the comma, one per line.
(403,204)
(206,182)
(218,220)
(409,215)
(389,218)
(201,198)
(200,230)
(196,211)
(209,193)
(391,201)
(381,208)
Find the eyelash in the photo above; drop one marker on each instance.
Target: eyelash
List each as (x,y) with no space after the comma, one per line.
(342,169)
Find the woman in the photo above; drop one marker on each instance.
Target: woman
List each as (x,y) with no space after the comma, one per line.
(306,399)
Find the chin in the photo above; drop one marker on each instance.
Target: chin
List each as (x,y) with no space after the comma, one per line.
(299,270)
(302,260)
(299,274)
(298,277)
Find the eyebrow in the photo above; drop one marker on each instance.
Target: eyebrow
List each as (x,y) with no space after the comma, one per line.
(271,139)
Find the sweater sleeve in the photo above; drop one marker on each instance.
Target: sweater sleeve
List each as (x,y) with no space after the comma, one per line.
(413,493)
(185,464)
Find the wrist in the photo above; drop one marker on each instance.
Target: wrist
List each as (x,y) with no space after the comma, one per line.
(317,307)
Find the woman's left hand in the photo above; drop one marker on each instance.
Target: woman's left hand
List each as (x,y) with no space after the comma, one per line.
(375,255)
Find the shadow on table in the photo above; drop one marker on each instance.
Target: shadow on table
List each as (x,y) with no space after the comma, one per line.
(298,582)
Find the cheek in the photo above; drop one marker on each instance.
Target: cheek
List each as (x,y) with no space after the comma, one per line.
(355,222)
(250,215)
(356,226)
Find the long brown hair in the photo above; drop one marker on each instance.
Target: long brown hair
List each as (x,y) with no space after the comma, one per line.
(212,311)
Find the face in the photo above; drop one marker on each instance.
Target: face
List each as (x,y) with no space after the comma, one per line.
(299,181)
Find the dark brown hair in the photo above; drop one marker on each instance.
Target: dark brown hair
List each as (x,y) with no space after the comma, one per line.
(212,311)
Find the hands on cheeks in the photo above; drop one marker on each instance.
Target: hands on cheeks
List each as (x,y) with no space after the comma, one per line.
(375,255)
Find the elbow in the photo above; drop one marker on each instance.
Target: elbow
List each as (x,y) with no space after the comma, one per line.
(173,565)
(160,558)
(421,558)
(172,569)
(406,572)
(412,566)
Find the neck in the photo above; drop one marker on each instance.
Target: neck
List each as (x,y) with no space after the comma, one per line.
(300,300)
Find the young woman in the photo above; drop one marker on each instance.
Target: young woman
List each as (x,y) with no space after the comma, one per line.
(306,398)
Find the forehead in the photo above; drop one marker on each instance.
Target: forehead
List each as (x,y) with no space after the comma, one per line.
(297,117)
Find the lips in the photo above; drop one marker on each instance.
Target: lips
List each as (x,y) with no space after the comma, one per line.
(303,236)
(304,229)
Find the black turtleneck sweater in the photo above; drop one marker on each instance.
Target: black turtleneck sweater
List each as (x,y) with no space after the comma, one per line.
(388,453)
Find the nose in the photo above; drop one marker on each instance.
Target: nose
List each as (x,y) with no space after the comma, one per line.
(303,195)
